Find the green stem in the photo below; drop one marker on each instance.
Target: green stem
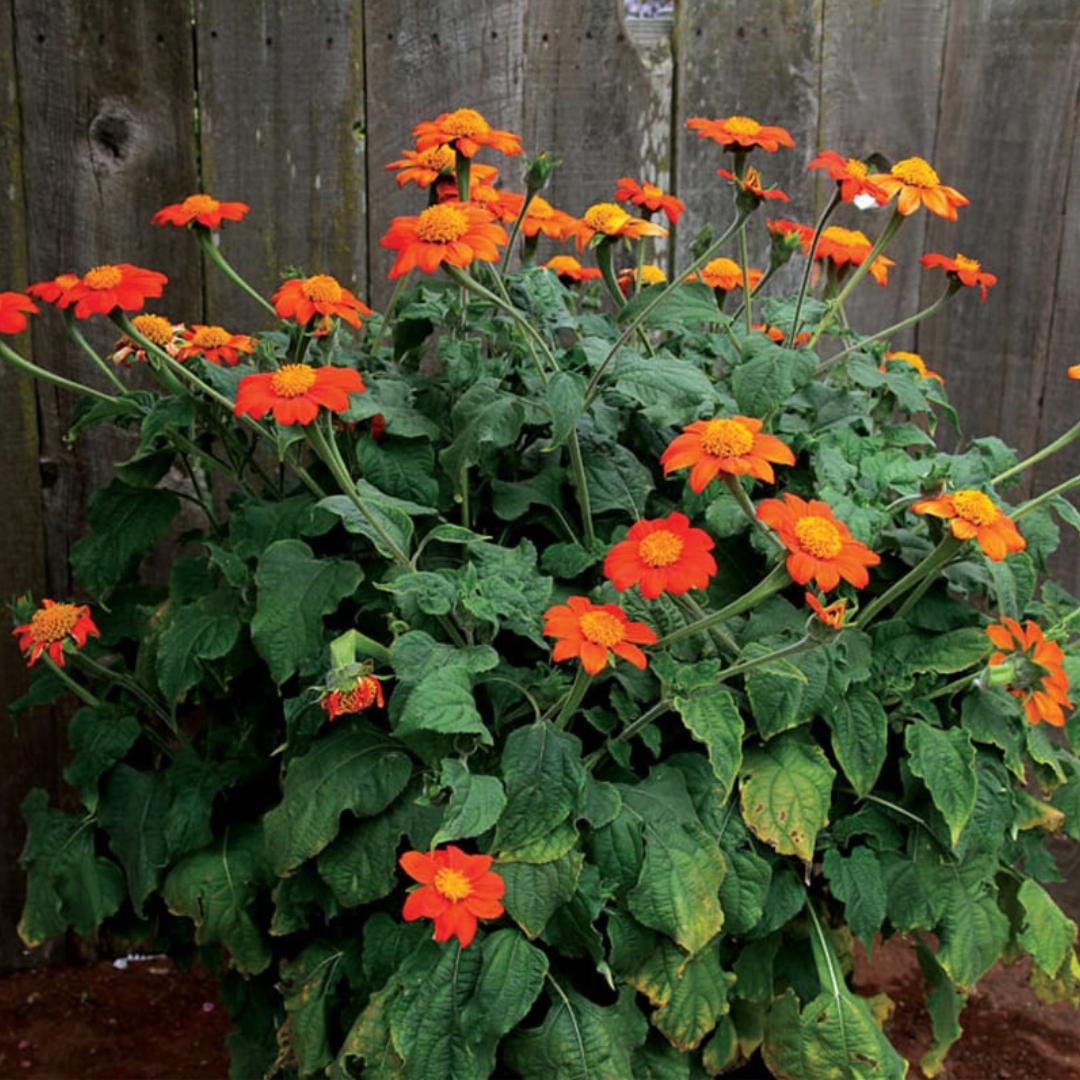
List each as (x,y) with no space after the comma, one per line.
(504,266)
(951,688)
(462,166)
(754,291)
(399,285)
(581,484)
(214,255)
(1051,448)
(80,692)
(370,647)
(804,644)
(819,228)
(582,681)
(692,608)
(605,260)
(744,262)
(747,507)
(76,335)
(1046,496)
(643,721)
(24,365)
(125,681)
(929,566)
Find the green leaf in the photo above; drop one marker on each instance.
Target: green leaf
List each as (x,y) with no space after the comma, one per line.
(296,590)
(205,630)
(565,397)
(254,526)
(484,416)
(415,655)
(1048,933)
(358,769)
(392,397)
(692,301)
(714,720)
(857,882)
(860,733)
(404,468)
(567,561)
(776,692)
(668,389)
(443,702)
(430,592)
(944,1005)
(990,716)
(617,480)
(511,978)
(744,890)
(534,892)
(503,588)
(945,762)
(99,737)
(307,985)
(973,932)
(770,377)
(126,523)
(387,523)
(476,801)
(785,788)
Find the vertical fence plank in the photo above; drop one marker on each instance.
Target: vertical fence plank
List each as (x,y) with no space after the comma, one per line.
(281,110)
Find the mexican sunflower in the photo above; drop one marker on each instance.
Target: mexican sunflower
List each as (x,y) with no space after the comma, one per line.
(570,270)
(912,360)
(851,176)
(732,445)
(14,307)
(466,131)
(726,274)
(915,184)
(201,209)
(54,289)
(481,185)
(589,631)
(751,183)
(105,288)
(797,235)
(774,333)
(651,274)
(455,891)
(741,133)
(820,547)
(423,167)
(966,271)
(649,197)
(610,219)
(215,344)
(973,516)
(452,232)
(665,555)
(156,329)
(365,692)
(843,246)
(1074,371)
(50,626)
(302,299)
(831,615)
(295,392)
(1045,689)
(542,217)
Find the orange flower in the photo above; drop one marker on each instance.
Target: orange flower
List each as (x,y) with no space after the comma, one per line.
(774,333)
(732,445)
(725,275)
(301,299)
(665,555)
(378,427)
(365,692)
(915,361)
(831,616)
(851,175)
(1074,372)
(962,269)
(215,344)
(973,516)
(295,392)
(455,890)
(741,133)
(48,628)
(1045,689)
(156,329)
(203,210)
(610,219)
(587,631)
(101,290)
(423,167)
(450,232)
(821,548)
(14,307)
(55,289)
(651,274)
(650,197)
(481,179)
(466,131)
(916,184)
(785,228)
(542,217)
(751,184)
(845,246)
(569,269)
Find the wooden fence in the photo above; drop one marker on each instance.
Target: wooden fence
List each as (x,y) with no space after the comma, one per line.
(111,108)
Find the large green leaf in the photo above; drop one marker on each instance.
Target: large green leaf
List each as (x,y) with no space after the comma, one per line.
(770,377)
(945,761)
(443,702)
(307,987)
(860,733)
(511,977)
(99,736)
(484,416)
(403,468)
(944,1004)
(668,390)
(744,890)
(204,630)
(974,932)
(776,693)
(534,891)
(857,882)
(617,480)
(1048,933)
(476,801)
(387,522)
(714,719)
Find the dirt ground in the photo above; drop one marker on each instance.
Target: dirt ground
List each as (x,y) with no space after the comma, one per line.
(150,1021)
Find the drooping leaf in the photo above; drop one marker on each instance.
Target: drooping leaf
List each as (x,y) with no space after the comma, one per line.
(204,630)
(860,732)
(534,891)
(1048,933)
(443,702)
(99,736)
(307,986)
(476,801)
(944,1004)
(714,719)
(945,761)
(857,882)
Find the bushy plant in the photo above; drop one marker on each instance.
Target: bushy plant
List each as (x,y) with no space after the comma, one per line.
(558,678)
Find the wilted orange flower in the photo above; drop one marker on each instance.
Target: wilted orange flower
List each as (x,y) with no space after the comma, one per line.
(973,516)
(423,167)
(832,615)
(365,692)
(751,182)
(732,445)
(54,289)
(569,269)
(851,175)
(962,269)
(302,299)
(455,890)
(916,184)
(915,361)
(588,631)
(14,307)
(650,197)
(821,548)
(741,133)
(215,344)
(845,246)
(610,219)
(1045,686)
(452,232)
(651,274)
(378,427)
(105,288)
(726,274)
(203,210)
(466,131)
(156,329)
(784,227)
(50,626)
(295,392)
(774,333)
(665,555)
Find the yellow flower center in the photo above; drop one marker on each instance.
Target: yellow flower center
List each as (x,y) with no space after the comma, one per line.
(856,168)
(606,217)
(742,125)
(321,287)
(441,225)
(453,884)
(916,172)
(200,204)
(53,623)
(154,328)
(103,277)
(210,337)
(439,158)
(849,238)
(601,628)
(819,536)
(964,263)
(975,507)
(914,359)
(65,281)
(651,274)
(292,380)
(465,122)
(661,548)
(726,439)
